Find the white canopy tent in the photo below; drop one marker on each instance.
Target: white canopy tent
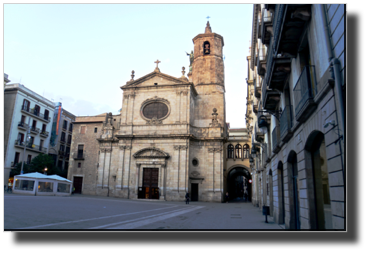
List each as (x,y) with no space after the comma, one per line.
(36,183)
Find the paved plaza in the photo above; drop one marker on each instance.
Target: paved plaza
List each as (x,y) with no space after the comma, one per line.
(83,212)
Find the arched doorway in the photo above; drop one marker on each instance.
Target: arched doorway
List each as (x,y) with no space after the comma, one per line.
(293,190)
(281,195)
(318,187)
(239,185)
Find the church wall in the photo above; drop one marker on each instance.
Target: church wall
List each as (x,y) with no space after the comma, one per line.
(205,103)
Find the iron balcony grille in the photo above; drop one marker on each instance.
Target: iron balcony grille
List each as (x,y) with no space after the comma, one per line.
(30,146)
(34,112)
(79,156)
(305,88)
(34,130)
(262,53)
(275,140)
(286,120)
(44,133)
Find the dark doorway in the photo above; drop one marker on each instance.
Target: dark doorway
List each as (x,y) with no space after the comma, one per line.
(150,183)
(78,183)
(194,192)
(239,185)
(294,191)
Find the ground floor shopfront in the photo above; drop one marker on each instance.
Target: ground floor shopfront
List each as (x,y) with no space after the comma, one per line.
(304,182)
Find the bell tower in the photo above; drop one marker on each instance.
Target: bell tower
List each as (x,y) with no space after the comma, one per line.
(208,65)
(208,78)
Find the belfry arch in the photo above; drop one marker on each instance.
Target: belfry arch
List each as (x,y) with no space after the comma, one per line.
(239,182)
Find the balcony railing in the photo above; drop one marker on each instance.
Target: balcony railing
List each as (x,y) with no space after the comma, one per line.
(22,125)
(79,156)
(44,133)
(35,113)
(30,146)
(61,153)
(286,123)
(34,130)
(275,140)
(257,90)
(304,92)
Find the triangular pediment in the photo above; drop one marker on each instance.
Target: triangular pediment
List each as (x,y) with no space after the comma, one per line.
(155,78)
(151,153)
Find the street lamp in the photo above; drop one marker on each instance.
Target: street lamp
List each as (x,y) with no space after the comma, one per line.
(263,124)
(24,145)
(45,170)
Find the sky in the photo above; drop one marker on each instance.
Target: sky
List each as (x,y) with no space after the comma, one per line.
(80,54)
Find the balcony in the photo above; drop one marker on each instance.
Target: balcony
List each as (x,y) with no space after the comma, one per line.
(34,130)
(286,123)
(275,140)
(44,134)
(289,27)
(255,105)
(259,136)
(35,113)
(13,164)
(304,93)
(289,36)
(262,60)
(266,26)
(22,125)
(67,155)
(270,98)
(79,156)
(30,146)
(61,153)
(257,90)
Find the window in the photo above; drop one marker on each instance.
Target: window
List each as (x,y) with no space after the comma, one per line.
(34,122)
(63,136)
(59,164)
(36,110)
(16,158)
(69,139)
(66,165)
(46,115)
(79,165)
(83,129)
(71,127)
(62,148)
(29,157)
(44,128)
(95,129)
(41,145)
(206,48)
(195,162)
(23,119)
(20,138)
(230,151)
(238,151)
(64,124)
(246,151)
(156,110)
(80,151)
(31,142)
(67,150)
(26,105)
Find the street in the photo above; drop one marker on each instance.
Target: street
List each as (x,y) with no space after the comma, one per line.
(93,213)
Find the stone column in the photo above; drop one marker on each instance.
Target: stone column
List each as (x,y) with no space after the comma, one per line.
(161,182)
(183,168)
(210,174)
(106,167)
(120,177)
(177,179)
(138,166)
(100,170)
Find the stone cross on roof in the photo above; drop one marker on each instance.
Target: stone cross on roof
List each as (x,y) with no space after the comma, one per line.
(157,62)
(157,69)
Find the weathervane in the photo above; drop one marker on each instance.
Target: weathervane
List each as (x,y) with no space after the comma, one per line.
(208,17)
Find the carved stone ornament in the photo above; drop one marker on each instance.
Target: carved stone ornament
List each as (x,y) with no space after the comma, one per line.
(151,153)
(215,122)
(154,121)
(195,174)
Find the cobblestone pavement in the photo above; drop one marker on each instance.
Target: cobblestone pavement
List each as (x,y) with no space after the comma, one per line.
(83,212)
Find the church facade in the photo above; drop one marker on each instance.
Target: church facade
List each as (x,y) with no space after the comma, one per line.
(168,138)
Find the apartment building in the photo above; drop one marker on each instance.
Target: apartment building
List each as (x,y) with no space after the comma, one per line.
(298,141)
(27,125)
(61,137)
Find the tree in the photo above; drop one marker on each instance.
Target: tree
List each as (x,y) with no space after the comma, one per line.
(38,164)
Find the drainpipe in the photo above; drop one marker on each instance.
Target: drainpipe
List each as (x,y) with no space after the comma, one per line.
(335,68)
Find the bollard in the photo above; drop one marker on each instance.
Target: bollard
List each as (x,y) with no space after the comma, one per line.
(266,212)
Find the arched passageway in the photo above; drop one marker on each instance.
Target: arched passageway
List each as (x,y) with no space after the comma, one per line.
(239,185)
